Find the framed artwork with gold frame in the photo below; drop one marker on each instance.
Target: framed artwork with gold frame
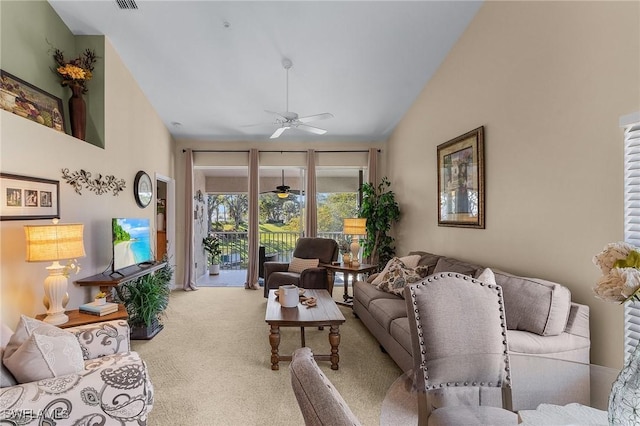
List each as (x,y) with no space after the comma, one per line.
(461,181)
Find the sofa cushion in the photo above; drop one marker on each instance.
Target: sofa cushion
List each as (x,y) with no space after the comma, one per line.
(448,264)
(523,342)
(298,265)
(386,310)
(398,276)
(366,292)
(408,261)
(401,332)
(547,316)
(46,354)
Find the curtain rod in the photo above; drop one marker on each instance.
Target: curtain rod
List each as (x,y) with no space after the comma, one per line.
(280,151)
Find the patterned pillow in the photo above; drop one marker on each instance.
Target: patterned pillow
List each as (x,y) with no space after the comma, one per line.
(410,261)
(298,265)
(398,276)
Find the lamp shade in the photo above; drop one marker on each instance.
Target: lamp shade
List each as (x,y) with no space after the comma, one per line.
(54,242)
(355,226)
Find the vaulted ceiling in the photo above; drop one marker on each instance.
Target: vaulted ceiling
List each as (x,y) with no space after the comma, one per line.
(212,68)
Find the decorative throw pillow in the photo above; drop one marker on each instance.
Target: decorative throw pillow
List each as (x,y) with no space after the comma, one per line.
(6,378)
(298,265)
(398,276)
(408,261)
(24,329)
(46,354)
(487,276)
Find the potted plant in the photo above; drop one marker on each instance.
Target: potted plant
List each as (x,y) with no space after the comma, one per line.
(101,298)
(146,299)
(381,210)
(345,249)
(211,244)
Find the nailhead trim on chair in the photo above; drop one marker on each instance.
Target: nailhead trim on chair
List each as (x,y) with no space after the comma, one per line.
(498,291)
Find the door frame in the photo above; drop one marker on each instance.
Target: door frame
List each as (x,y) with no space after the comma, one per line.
(169,218)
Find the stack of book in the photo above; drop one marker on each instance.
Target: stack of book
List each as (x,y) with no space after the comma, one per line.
(94,308)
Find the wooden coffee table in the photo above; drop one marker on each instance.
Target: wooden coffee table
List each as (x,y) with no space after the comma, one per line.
(325,313)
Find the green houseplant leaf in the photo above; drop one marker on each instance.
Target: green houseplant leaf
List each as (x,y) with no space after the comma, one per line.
(147,297)
(381,210)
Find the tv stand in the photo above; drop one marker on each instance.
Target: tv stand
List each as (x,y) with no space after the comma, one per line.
(106,281)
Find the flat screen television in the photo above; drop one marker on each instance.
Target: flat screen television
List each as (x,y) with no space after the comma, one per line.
(131,242)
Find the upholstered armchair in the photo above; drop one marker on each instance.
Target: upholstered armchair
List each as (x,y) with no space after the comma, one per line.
(459,344)
(325,250)
(319,401)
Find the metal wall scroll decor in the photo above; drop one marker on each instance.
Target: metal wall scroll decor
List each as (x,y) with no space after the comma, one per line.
(100,184)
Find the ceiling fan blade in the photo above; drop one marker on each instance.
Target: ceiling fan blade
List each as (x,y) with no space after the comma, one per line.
(278,132)
(311,129)
(279,114)
(316,117)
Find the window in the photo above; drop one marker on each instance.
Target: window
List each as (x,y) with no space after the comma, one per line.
(631,124)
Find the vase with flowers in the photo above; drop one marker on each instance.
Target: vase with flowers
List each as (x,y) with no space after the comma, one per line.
(620,282)
(75,74)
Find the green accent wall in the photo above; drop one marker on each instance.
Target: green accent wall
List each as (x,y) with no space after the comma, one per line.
(28,32)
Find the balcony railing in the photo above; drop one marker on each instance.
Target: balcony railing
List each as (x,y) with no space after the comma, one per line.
(235,246)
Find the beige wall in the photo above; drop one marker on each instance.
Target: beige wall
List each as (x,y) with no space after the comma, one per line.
(136,139)
(549,81)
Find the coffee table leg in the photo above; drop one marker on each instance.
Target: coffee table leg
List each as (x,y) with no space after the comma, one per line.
(274,340)
(334,340)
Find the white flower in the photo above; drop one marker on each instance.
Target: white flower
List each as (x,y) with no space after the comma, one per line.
(611,252)
(631,278)
(610,285)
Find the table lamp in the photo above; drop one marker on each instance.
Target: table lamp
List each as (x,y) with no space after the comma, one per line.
(355,226)
(52,243)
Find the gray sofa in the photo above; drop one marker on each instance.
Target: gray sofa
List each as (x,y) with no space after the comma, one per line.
(541,318)
(109,384)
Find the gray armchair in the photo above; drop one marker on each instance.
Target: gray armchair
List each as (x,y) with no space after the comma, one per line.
(459,343)
(323,249)
(320,402)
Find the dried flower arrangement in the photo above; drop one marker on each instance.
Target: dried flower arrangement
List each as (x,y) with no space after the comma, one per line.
(76,71)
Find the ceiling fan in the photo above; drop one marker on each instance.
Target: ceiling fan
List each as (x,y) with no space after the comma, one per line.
(288,119)
(283,191)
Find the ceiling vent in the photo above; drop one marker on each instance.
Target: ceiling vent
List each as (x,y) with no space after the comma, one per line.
(127,4)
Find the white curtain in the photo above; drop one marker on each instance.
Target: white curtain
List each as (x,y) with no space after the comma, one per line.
(254,237)
(189,263)
(311,222)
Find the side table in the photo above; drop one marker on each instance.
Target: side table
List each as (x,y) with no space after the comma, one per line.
(347,270)
(77,318)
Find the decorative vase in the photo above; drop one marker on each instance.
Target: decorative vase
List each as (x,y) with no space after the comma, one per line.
(624,399)
(346,258)
(101,300)
(77,112)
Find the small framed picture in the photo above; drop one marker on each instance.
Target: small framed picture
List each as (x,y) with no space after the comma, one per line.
(461,181)
(28,198)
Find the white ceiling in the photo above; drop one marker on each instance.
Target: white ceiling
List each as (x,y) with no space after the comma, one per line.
(364,62)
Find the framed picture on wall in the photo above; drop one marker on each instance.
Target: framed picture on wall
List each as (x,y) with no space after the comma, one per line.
(461,181)
(28,198)
(28,101)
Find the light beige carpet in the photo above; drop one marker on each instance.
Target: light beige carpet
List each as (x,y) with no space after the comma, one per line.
(211,363)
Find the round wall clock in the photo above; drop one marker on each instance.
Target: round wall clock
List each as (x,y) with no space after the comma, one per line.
(142,189)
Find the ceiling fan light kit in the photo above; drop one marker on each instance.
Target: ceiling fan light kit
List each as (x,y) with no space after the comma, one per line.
(288,119)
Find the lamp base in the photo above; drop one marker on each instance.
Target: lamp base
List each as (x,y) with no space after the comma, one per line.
(55,290)
(355,251)
(56,319)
